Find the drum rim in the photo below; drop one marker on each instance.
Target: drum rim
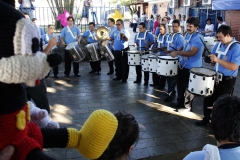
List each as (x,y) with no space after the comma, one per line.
(173,58)
(202,74)
(71,44)
(136,52)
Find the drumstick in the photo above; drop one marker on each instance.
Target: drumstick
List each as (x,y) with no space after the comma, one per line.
(204,45)
(174,48)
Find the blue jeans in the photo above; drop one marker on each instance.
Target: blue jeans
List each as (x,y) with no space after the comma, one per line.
(28,11)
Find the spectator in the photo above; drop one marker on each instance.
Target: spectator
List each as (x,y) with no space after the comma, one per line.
(220,21)
(209,28)
(225,126)
(135,21)
(144,17)
(34,20)
(85,12)
(156,23)
(166,15)
(124,139)
(184,24)
(27,7)
(151,21)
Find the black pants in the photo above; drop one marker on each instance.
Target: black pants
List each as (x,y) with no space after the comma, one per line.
(110,64)
(96,66)
(68,64)
(134,27)
(138,72)
(172,82)
(39,95)
(121,63)
(184,97)
(224,87)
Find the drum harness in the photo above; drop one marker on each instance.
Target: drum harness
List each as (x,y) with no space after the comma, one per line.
(140,40)
(71,33)
(219,53)
(187,42)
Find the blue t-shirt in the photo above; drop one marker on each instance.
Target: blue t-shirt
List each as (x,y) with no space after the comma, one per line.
(164,44)
(41,30)
(118,42)
(149,38)
(196,60)
(91,38)
(233,55)
(111,30)
(68,38)
(225,154)
(177,42)
(157,32)
(47,37)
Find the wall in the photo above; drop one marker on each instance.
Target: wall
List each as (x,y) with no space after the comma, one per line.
(233,20)
(162,8)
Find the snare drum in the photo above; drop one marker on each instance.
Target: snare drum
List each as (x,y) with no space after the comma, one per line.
(93,53)
(167,66)
(75,51)
(210,42)
(53,50)
(152,62)
(134,58)
(106,51)
(144,62)
(201,81)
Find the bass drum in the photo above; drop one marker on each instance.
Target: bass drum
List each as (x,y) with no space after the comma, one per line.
(106,51)
(75,51)
(93,52)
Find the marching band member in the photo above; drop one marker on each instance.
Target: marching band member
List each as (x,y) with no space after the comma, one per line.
(174,40)
(70,34)
(45,38)
(191,57)
(111,28)
(120,45)
(91,38)
(143,40)
(226,63)
(161,44)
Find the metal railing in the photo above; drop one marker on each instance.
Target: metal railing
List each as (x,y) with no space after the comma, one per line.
(48,15)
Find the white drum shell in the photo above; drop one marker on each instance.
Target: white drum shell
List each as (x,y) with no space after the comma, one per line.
(210,42)
(200,84)
(134,59)
(145,64)
(167,66)
(152,60)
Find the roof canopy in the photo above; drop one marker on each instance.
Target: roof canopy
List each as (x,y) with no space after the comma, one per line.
(226,5)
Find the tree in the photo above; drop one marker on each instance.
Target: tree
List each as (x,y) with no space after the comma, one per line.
(126,3)
(58,6)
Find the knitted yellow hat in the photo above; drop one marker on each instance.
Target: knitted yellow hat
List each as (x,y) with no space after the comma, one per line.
(97,133)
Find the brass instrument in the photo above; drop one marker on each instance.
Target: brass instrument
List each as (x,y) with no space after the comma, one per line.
(102,33)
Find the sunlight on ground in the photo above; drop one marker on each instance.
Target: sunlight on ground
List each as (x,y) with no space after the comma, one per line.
(51,90)
(150,95)
(63,83)
(170,110)
(59,114)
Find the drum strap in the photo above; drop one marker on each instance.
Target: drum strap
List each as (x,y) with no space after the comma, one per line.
(71,33)
(141,38)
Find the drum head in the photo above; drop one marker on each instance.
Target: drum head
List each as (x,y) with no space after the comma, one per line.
(152,56)
(167,57)
(92,44)
(134,52)
(145,56)
(203,72)
(71,45)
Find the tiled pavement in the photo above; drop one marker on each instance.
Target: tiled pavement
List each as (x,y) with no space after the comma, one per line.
(165,134)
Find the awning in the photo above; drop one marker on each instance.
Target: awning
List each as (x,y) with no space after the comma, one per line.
(226,5)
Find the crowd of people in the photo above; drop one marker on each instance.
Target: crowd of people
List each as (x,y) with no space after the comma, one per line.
(123,126)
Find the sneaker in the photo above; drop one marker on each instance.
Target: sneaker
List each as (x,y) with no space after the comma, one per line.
(201,123)
(176,105)
(183,110)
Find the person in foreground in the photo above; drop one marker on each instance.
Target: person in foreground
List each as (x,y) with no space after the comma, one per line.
(225,126)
